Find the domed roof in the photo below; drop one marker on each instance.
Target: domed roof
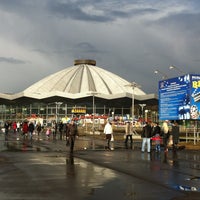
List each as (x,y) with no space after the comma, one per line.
(80,80)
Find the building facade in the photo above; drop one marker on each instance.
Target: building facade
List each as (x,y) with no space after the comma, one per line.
(78,90)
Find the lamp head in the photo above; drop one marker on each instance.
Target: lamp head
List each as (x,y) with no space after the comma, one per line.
(156,71)
(171,67)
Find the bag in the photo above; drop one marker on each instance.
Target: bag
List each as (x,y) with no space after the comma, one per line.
(48,132)
(170,140)
(112,138)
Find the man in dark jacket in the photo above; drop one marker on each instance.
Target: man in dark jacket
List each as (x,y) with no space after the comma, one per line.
(72,133)
(6,126)
(146,137)
(31,128)
(60,128)
(175,135)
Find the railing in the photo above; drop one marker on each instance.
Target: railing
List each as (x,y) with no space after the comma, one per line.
(192,134)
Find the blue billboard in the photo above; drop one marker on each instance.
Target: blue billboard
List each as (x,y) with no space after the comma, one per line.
(195,97)
(179,98)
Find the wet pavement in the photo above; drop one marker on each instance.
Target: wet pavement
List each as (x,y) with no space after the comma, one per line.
(43,169)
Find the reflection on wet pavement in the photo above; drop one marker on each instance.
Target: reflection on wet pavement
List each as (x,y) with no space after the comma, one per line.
(49,172)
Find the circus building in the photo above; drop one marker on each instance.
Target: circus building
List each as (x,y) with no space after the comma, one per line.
(78,90)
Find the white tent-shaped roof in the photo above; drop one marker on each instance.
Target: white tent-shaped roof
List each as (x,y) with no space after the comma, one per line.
(81,80)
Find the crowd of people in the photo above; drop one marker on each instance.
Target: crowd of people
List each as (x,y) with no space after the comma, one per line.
(58,130)
(152,132)
(25,128)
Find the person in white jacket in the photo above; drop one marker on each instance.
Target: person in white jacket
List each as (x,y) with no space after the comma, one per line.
(165,131)
(108,130)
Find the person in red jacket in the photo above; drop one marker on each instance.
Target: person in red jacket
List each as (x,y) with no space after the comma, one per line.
(25,128)
(14,126)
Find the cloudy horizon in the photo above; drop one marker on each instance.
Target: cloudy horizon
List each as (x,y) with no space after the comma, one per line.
(130,38)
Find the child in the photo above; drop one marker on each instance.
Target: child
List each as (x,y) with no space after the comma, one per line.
(48,132)
(157,140)
(156,136)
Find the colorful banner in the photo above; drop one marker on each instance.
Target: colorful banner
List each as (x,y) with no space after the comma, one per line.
(174,98)
(195,97)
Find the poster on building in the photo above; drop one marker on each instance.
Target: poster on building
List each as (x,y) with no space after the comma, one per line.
(195,97)
(174,98)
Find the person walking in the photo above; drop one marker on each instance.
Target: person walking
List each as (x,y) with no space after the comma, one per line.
(72,134)
(175,135)
(18,126)
(128,134)
(108,130)
(156,136)
(38,128)
(14,126)
(24,129)
(31,128)
(165,131)
(66,133)
(54,129)
(146,137)
(60,128)
(6,127)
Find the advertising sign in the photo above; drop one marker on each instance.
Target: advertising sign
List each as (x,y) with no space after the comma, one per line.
(174,98)
(195,97)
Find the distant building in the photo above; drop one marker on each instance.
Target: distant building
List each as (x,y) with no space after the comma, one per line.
(84,86)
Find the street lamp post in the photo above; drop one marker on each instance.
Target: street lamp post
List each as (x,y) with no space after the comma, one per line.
(57,106)
(142,106)
(93,112)
(146,115)
(133,85)
(93,93)
(176,68)
(164,76)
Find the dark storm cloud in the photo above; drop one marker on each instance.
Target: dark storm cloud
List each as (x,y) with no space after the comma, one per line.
(184,29)
(133,12)
(184,21)
(86,50)
(75,11)
(11,60)
(129,37)
(19,6)
(86,47)
(10,4)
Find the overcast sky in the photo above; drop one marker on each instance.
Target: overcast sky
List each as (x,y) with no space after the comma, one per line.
(131,38)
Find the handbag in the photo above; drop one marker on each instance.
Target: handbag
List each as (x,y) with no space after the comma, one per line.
(112,138)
